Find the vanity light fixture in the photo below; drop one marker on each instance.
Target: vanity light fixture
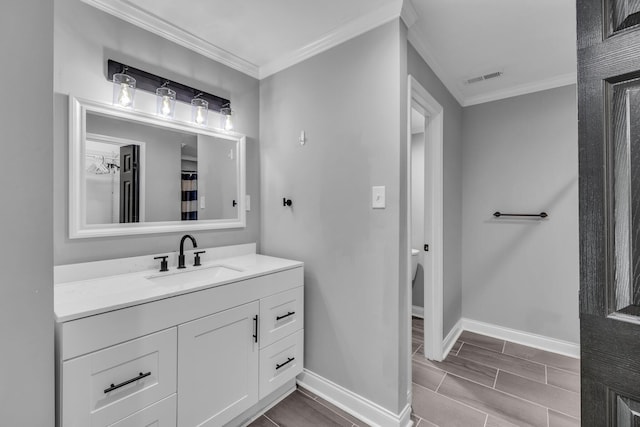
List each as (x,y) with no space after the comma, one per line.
(166,101)
(124,89)
(227,117)
(136,78)
(199,110)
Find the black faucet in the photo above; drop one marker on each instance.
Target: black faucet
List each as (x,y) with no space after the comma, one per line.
(181,256)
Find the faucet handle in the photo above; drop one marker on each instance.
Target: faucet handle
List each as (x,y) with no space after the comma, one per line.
(164,265)
(196,262)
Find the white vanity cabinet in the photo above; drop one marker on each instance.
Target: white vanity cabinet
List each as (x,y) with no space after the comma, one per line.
(218,364)
(206,357)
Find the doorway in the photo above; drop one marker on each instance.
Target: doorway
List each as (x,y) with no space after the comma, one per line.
(425,150)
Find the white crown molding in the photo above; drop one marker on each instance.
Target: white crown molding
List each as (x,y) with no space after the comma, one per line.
(408,13)
(553,82)
(333,38)
(418,40)
(124,10)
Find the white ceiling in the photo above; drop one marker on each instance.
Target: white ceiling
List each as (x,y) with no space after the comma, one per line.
(531,41)
(258,30)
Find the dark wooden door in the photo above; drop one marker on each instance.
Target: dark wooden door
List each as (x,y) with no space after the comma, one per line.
(609,143)
(129,183)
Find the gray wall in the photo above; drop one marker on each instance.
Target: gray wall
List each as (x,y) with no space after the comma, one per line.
(26,273)
(163,180)
(217,177)
(520,155)
(452,185)
(345,99)
(84,38)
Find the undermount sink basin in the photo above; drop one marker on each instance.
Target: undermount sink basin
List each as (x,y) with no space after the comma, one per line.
(213,273)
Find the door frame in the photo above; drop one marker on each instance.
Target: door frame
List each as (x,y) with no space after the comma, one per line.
(433,304)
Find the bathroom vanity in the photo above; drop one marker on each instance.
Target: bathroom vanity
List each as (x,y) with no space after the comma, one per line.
(210,345)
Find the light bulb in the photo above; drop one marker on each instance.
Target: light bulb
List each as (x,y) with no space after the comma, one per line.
(124,98)
(199,110)
(124,90)
(166,106)
(228,123)
(200,115)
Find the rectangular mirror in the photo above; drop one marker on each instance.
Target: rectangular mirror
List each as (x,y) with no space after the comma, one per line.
(136,173)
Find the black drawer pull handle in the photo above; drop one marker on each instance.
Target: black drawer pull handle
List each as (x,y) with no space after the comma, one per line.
(255,328)
(289,360)
(132,380)
(291,313)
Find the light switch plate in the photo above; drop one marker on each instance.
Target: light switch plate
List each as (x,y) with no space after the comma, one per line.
(378,199)
(247,202)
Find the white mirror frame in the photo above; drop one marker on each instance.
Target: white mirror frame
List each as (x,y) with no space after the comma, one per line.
(78,227)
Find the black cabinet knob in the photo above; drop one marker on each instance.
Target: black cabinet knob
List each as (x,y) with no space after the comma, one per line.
(286,202)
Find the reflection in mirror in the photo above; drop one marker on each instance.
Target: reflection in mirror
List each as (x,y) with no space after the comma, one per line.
(136,173)
(139,174)
(217,168)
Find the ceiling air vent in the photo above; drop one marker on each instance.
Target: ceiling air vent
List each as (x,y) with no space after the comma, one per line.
(483,78)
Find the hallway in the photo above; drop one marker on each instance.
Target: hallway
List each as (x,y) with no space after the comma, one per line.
(494,383)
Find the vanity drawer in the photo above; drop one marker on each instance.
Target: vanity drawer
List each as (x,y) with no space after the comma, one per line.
(103,387)
(161,414)
(280,315)
(281,362)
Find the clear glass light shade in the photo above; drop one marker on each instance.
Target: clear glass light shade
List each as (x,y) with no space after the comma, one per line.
(227,118)
(124,90)
(166,102)
(199,111)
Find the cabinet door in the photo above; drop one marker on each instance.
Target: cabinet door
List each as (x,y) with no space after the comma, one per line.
(218,367)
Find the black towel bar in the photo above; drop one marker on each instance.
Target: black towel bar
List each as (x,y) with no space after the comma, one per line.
(540,215)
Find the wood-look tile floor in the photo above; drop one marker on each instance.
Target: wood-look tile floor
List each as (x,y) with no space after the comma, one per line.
(484,382)
(487,382)
(304,409)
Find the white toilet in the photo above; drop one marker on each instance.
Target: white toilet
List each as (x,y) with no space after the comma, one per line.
(414,263)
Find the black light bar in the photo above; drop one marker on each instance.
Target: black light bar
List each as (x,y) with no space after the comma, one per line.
(150,82)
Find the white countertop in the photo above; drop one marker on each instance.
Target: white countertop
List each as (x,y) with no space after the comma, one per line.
(91,296)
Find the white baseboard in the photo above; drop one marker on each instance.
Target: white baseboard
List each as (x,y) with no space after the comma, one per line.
(405,416)
(451,339)
(356,405)
(520,337)
(417,311)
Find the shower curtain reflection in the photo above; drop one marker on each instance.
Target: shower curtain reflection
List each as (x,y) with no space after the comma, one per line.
(189,195)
